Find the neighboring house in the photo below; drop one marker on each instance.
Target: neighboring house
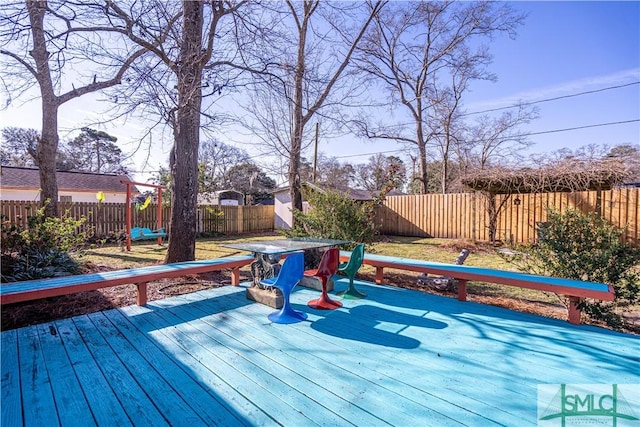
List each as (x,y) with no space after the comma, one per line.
(282,204)
(222,198)
(20,183)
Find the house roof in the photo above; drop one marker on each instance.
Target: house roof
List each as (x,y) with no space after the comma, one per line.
(29,178)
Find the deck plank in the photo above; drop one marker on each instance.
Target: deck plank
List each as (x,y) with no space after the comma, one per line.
(331,373)
(155,385)
(103,369)
(213,408)
(39,407)
(254,382)
(69,398)
(11,397)
(398,357)
(110,401)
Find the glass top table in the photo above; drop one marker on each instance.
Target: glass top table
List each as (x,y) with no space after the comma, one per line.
(283,246)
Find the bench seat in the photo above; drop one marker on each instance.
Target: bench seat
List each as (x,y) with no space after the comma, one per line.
(140,276)
(575,290)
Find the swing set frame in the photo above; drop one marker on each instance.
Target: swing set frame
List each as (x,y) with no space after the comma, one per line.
(159,189)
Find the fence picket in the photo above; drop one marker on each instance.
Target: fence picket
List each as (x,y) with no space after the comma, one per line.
(109,218)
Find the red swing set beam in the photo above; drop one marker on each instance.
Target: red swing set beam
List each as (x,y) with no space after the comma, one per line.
(159,188)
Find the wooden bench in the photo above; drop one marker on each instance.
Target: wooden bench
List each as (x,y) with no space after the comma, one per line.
(43,288)
(575,290)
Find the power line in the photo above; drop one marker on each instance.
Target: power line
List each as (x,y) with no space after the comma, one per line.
(369,154)
(551,99)
(581,127)
(517,136)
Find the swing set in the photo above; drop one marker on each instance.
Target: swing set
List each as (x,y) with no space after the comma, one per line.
(143,233)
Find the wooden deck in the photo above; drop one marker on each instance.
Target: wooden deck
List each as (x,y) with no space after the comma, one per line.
(399,357)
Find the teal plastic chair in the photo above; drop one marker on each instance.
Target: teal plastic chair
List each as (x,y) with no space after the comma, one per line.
(350,268)
(290,274)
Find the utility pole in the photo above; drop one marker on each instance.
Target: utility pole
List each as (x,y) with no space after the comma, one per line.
(315,154)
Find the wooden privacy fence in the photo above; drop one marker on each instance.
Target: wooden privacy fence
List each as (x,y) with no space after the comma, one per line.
(109,218)
(464,216)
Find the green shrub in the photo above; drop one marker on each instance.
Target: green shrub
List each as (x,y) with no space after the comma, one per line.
(42,248)
(586,247)
(333,215)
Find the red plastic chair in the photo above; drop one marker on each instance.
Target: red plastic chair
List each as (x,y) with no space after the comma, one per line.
(328,267)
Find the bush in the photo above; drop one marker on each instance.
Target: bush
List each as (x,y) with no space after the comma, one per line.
(42,248)
(586,247)
(333,215)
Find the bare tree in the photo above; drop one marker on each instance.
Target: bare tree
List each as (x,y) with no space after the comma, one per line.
(333,173)
(215,160)
(415,49)
(375,174)
(492,139)
(184,55)
(51,40)
(318,40)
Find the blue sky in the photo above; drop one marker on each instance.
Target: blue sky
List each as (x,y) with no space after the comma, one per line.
(567,48)
(564,48)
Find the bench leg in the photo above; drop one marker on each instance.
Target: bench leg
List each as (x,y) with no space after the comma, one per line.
(235,276)
(462,290)
(574,310)
(142,293)
(379,275)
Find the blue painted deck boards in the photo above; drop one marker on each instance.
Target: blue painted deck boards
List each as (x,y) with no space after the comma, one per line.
(398,357)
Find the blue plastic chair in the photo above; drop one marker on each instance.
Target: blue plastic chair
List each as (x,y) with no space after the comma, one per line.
(290,274)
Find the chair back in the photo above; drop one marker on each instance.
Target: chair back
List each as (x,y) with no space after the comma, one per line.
(329,263)
(355,260)
(291,272)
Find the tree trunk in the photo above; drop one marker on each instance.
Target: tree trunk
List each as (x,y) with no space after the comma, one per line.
(422,153)
(298,116)
(294,159)
(48,144)
(47,149)
(184,158)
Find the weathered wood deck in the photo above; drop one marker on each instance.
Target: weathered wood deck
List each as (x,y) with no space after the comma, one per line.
(399,357)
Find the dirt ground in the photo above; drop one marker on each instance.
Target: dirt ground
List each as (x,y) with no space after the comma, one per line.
(30,313)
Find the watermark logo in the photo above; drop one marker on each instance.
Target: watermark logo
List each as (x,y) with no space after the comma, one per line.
(588,404)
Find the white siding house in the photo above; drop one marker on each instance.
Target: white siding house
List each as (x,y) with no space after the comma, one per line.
(21,183)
